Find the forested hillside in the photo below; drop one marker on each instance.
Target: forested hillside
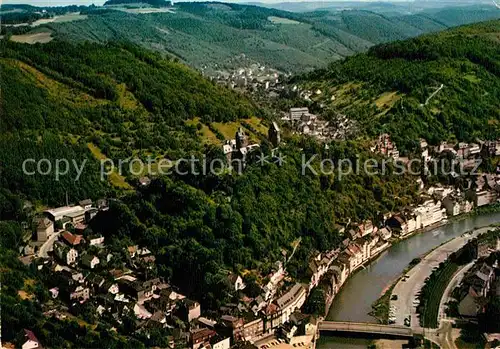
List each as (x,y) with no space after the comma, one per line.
(209,34)
(64,100)
(396,87)
(91,102)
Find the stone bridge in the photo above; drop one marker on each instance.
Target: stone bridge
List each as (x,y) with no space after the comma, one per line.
(357,327)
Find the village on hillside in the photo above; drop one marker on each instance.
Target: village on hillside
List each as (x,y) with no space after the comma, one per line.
(83,269)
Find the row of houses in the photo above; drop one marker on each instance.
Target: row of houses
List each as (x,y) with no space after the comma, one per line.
(363,241)
(249,326)
(304,122)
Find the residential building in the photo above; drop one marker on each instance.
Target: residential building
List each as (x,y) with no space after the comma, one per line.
(95,240)
(90,213)
(193,309)
(385,233)
(199,336)
(451,205)
(398,224)
(207,322)
(28,250)
(318,266)
(272,317)
(465,150)
(455,206)
(355,256)
(54,292)
(31,342)
(340,272)
(132,250)
(236,281)
(80,293)
(366,228)
(231,326)
(386,147)
(139,290)
(291,301)
(65,253)
(253,329)
(80,228)
(482,197)
(90,261)
(71,239)
(44,229)
(85,204)
(219,343)
(492,148)
(475,287)
(296,113)
(430,212)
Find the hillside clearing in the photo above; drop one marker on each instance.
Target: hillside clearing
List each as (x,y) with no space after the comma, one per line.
(69,17)
(33,38)
(281,20)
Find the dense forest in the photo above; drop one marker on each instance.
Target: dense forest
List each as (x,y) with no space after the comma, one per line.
(388,89)
(118,100)
(209,35)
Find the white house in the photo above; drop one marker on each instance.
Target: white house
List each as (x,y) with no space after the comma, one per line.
(96,240)
(236,281)
(90,261)
(31,342)
(291,301)
(223,344)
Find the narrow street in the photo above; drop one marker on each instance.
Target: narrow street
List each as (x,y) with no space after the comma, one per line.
(47,246)
(407,290)
(455,281)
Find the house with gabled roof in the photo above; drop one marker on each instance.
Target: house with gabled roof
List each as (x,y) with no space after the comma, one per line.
(65,253)
(44,229)
(90,261)
(31,342)
(71,239)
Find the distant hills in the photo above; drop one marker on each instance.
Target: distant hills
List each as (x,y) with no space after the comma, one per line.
(209,35)
(402,6)
(155,3)
(386,89)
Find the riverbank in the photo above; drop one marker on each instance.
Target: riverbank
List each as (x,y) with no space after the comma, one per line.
(355,299)
(382,305)
(415,279)
(482,210)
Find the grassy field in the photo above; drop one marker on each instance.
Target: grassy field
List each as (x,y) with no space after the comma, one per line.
(69,17)
(381,306)
(114,178)
(228,129)
(33,38)
(281,20)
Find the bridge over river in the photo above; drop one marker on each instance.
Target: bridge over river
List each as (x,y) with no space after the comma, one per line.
(369,328)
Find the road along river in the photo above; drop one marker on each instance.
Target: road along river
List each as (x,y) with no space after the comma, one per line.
(353,302)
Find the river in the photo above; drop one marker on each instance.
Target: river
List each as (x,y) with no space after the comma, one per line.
(353,302)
